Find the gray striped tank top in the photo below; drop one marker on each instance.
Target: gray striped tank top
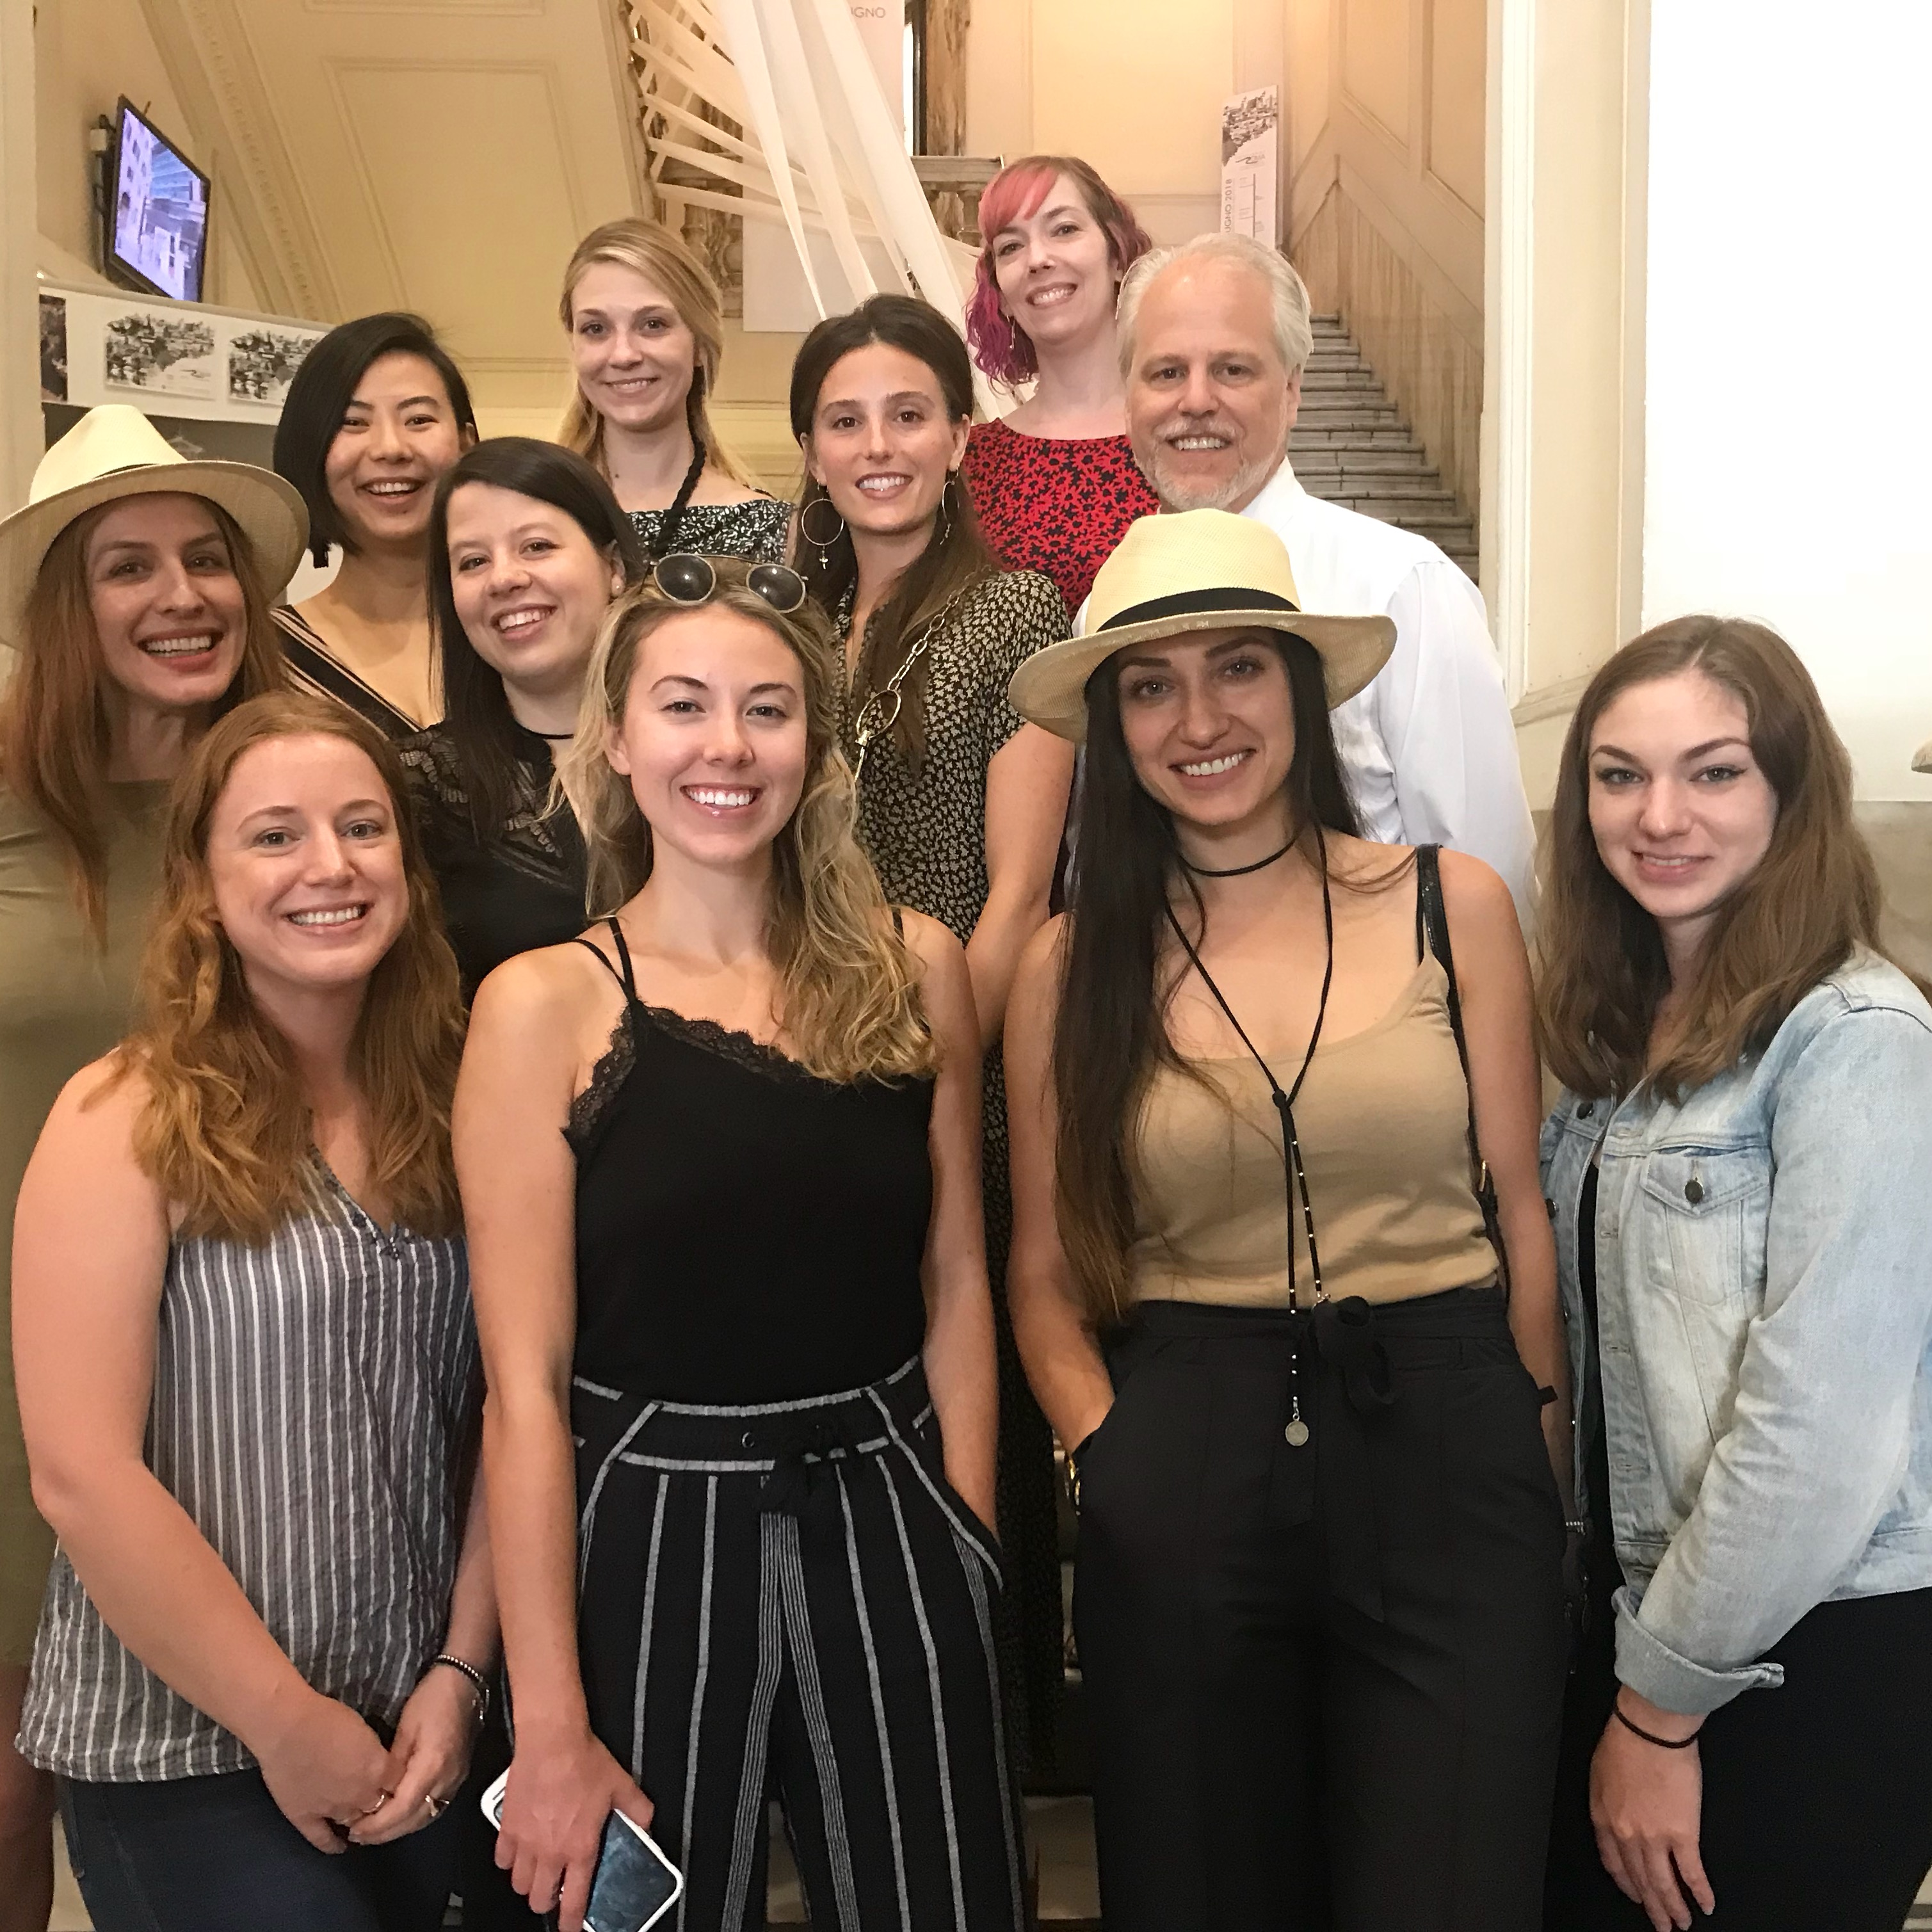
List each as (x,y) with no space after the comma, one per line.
(314,1403)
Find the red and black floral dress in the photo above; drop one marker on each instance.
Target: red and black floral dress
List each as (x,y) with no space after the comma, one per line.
(1055,504)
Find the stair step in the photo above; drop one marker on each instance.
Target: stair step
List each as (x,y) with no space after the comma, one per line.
(1413,463)
(1350,446)
(1428,517)
(1341,408)
(1316,381)
(1424,487)
(1379,438)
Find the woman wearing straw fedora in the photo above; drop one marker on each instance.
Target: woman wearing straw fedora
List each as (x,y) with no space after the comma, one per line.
(1257,1281)
(134,591)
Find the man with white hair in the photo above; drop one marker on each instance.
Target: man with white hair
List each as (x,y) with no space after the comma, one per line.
(1214,335)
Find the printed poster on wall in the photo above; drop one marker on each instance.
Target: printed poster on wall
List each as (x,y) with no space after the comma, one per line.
(171,359)
(1250,152)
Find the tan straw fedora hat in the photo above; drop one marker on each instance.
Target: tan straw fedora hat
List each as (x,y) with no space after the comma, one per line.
(114,451)
(1194,570)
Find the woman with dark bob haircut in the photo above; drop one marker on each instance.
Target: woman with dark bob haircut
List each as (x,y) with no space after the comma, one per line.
(527,547)
(1738,1169)
(377,412)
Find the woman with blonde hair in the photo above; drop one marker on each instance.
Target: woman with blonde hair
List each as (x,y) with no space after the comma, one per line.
(248,1373)
(135,589)
(1737,1172)
(646,329)
(719,1160)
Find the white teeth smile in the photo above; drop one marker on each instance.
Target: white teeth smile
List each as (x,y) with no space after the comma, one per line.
(1214,766)
(878,485)
(718,800)
(1199,442)
(188,646)
(519,620)
(339,915)
(396,489)
(1046,298)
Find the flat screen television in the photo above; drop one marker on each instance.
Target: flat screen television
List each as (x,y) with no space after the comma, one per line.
(157,211)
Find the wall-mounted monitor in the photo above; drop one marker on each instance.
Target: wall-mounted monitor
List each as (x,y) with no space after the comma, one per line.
(156,227)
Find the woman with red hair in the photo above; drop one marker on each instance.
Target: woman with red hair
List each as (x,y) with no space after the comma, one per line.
(1054,483)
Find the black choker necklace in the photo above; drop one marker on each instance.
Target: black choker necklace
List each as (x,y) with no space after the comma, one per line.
(1237,871)
(555,737)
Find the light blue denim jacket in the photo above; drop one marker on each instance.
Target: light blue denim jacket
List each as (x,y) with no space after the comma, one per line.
(1764,1284)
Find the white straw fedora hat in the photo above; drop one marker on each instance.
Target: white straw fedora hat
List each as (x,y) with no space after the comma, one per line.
(1194,570)
(114,451)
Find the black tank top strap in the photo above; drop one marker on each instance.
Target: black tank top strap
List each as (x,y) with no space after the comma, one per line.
(622,972)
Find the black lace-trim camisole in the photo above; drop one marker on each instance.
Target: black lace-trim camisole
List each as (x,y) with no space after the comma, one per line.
(746,1231)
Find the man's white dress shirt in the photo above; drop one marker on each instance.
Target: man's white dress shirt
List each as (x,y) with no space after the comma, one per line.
(1429,748)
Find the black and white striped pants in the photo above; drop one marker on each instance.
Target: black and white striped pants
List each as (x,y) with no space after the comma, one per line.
(791,1601)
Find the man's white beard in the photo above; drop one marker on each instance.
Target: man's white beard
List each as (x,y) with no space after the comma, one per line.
(1236,491)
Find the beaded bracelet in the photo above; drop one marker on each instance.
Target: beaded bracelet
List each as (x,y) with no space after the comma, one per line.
(479,1682)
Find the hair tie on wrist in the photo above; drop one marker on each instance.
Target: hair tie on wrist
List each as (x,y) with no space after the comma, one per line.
(1651,1737)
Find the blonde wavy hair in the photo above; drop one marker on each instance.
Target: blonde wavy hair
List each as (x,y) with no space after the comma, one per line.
(226,1132)
(665,263)
(54,738)
(848,985)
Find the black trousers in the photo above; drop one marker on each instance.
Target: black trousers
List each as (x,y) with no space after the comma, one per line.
(1325,1682)
(789,1600)
(1817,1796)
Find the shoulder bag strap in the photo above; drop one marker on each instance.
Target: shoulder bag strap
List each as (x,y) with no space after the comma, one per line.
(1432,921)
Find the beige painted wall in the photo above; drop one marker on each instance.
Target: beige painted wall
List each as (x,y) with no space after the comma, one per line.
(1387,128)
(1130,85)
(87,54)
(1387,97)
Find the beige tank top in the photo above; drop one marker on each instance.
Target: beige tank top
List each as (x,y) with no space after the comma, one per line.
(1383,1120)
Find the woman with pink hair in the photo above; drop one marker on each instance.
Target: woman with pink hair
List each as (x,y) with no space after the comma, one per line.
(1054,483)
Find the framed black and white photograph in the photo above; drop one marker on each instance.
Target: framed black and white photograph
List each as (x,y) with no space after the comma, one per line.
(174,355)
(261,362)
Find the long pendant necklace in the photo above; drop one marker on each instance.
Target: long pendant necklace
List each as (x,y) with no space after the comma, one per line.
(1295,1168)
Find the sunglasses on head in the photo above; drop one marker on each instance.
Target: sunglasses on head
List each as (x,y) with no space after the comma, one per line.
(685,578)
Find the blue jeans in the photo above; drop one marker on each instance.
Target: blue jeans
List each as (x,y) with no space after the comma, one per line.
(216,1855)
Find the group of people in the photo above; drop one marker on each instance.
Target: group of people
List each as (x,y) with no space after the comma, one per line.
(580,1109)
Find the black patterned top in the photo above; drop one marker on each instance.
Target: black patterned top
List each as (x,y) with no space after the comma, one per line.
(518,888)
(927,834)
(754,529)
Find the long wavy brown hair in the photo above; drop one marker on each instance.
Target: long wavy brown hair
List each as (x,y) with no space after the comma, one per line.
(54,740)
(226,1132)
(848,985)
(1812,902)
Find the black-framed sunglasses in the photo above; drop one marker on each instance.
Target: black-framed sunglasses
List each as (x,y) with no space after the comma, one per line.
(685,578)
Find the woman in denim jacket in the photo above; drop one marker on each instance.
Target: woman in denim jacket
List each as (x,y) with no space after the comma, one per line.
(1740,1172)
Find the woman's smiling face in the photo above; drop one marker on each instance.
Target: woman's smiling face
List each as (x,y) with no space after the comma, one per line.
(529,585)
(713,737)
(1681,812)
(1208,719)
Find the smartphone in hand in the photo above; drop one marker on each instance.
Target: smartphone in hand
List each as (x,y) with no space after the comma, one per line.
(635,1884)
